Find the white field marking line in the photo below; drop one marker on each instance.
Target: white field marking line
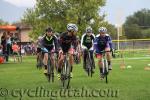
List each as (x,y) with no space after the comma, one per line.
(133,58)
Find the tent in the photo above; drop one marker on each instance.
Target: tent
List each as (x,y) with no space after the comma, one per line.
(8,27)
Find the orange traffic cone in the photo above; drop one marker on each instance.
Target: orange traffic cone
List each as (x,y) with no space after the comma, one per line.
(122,66)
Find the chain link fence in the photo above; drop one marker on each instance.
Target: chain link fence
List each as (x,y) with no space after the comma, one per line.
(133,47)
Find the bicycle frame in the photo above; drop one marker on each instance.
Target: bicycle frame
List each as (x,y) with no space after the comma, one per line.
(105,65)
(50,68)
(89,63)
(65,73)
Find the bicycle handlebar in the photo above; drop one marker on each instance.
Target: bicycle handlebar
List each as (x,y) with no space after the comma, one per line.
(104,51)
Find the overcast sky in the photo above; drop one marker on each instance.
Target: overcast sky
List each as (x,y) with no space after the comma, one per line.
(116,10)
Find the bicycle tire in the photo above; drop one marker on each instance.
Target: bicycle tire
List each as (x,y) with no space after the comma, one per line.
(106,70)
(65,76)
(89,65)
(48,70)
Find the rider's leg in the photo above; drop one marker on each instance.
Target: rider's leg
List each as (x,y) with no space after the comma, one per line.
(60,62)
(108,55)
(84,58)
(45,61)
(37,57)
(71,61)
(100,64)
(38,54)
(92,58)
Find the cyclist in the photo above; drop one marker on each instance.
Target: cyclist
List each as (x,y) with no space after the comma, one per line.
(15,49)
(87,43)
(68,44)
(103,42)
(48,43)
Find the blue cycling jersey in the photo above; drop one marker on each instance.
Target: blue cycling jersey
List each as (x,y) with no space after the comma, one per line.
(102,42)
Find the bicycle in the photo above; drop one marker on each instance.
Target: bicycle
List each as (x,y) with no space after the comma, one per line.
(50,68)
(76,58)
(65,73)
(89,64)
(56,61)
(105,65)
(39,61)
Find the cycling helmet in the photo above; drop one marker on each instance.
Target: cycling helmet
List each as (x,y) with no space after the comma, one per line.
(76,28)
(72,27)
(102,29)
(89,30)
(49,29)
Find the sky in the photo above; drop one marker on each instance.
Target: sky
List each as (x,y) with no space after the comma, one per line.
(116,10)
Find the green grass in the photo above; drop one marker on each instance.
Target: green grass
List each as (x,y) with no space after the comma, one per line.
(131,84)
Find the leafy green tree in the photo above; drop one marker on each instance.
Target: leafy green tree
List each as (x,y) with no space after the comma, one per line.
(138,24)
(57,13)
(133,31)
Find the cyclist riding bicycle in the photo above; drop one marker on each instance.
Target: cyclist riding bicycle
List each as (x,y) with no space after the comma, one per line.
(103,42)
(49,43)
(68,44)
(87,43)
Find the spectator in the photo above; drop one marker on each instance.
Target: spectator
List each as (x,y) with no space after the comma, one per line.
(15,49)
(8,46)
(3,43)
(1,50)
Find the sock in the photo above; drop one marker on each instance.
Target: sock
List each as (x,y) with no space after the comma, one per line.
(59,70)
(45,66)
(109,62)
(101,70)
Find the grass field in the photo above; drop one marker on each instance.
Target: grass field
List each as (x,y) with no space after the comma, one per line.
(23,79)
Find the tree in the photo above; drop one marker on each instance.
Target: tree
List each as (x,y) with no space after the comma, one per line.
(136,25)
(58,13)
(133,31)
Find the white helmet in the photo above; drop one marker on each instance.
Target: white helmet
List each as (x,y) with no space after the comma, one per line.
(73,27)
(89,30)
(102,29)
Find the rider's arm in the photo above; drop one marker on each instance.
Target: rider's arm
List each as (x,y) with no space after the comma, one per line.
(56,43)
(93,37)
(95,44)
(82,40)
(110,42)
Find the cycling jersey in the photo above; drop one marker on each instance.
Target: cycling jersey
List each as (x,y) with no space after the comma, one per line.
(100,43)
(67,42)
(49,43)
(87,41)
